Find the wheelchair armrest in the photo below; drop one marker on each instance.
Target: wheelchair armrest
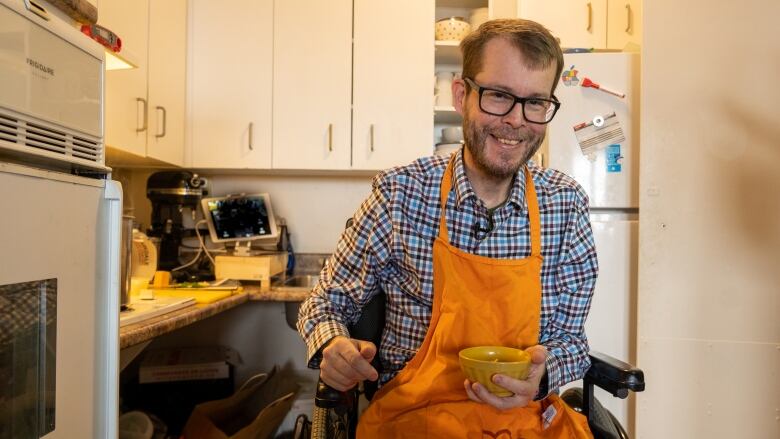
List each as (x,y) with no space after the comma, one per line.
(328,397)
(613,375)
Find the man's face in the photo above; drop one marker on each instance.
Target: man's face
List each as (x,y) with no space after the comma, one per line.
(499,145)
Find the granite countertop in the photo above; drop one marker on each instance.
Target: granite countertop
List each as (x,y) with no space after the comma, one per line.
(278,294)
(145,330)
(142,331)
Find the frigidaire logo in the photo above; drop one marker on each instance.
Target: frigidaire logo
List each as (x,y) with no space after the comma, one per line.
(41,67)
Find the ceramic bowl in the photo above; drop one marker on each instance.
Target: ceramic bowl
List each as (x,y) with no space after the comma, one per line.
(452,29)
(444,149)
(477,17)
(452,134)
(480,363)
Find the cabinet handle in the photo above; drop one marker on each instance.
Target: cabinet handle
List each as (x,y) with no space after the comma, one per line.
(251,127)
(628,18)
(146,114)
(590,17)
(165,122)
(330,137)
(372,137)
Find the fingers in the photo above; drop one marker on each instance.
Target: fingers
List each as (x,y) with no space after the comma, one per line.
(367,349)
(538,357)
(345,362)
(538,354)
(360,364)
(523,391)
(479,393)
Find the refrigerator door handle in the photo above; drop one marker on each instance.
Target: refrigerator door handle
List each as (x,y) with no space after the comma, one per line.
(107,349)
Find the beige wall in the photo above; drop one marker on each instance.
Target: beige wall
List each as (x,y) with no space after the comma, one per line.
(709,281)
(315,208)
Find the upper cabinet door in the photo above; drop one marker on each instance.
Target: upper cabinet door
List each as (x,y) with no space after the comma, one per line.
(578,23)
(393,81)
(312,84)
(167,72)
(625,23)
(229,83)
(126,99)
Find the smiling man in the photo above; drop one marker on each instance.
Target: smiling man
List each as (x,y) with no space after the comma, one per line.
(482,248)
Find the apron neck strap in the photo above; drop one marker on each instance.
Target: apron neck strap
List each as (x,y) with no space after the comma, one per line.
(533,207)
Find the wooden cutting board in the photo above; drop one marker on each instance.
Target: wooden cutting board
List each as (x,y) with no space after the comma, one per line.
(200,295)
(79,10)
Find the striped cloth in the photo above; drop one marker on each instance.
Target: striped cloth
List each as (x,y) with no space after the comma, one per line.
(389,248)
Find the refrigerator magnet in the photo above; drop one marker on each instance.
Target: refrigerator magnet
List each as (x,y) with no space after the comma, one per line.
(614,159)
(598,133)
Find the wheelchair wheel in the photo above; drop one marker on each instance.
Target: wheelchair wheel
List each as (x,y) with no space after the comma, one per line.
(328,424)
(603,424)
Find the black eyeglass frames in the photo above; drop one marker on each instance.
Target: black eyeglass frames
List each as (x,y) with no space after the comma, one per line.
(500,103)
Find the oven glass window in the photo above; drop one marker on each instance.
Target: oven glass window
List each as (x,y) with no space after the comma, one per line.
(28,345)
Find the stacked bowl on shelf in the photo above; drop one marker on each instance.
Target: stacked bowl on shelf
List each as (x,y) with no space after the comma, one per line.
(451,140)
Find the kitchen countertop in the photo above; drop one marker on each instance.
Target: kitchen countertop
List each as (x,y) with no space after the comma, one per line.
(278,294)
(145,330)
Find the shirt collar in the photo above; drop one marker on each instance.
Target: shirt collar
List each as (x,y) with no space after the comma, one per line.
(464,191)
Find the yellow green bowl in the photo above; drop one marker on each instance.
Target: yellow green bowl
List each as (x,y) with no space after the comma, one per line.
(480,363)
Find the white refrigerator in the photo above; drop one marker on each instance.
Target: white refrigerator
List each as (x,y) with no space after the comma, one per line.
(59,233)
(594,138)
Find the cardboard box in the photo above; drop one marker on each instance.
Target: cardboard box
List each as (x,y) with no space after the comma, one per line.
(187,364)
(254,411)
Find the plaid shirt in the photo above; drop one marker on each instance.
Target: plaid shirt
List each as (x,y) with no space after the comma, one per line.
(390,248)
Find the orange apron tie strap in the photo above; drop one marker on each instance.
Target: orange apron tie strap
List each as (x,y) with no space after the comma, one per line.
(446,186)
(534,219)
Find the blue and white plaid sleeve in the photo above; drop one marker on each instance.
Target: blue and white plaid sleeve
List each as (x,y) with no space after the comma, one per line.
(349,279)
(575,279)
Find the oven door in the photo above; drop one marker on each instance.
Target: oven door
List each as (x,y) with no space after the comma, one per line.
(59,307)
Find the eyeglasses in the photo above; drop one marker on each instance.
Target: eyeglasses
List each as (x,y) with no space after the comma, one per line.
(501,103)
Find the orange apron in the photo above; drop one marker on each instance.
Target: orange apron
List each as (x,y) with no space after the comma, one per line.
(476,301)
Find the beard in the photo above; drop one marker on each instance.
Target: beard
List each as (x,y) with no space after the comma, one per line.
(506,163)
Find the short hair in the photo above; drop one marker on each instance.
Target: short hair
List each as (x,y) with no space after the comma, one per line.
(537,44)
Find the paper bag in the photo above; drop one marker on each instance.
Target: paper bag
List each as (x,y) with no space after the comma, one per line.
(254,411)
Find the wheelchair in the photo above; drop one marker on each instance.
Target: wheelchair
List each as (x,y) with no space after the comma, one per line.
(336,413)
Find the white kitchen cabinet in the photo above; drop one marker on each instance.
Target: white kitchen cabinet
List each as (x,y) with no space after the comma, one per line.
(578,23)
(598,24)
(624,23)
(229,85)
(126,102)
(312,86)
(167,73)
(344,104)
(392,83)
(145,105)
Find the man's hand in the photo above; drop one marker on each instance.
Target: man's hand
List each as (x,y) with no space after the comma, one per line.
(524,391)
(346,362)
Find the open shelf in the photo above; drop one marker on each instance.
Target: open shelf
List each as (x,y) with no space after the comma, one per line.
(445,115)
(448,52)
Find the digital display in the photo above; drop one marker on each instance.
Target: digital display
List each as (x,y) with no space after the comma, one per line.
(240,217)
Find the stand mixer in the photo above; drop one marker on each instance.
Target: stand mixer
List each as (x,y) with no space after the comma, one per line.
(171,193)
